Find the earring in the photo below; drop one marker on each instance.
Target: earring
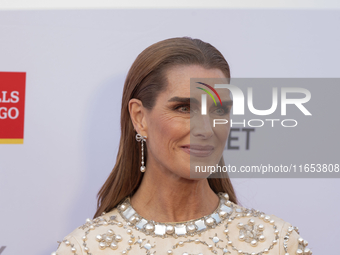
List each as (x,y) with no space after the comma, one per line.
(141,138)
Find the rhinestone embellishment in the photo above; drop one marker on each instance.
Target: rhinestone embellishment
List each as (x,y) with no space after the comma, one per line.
(251,233)
(109,239)
(188,228)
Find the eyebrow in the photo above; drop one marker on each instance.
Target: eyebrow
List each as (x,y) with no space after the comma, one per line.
(227,102)
(189,100)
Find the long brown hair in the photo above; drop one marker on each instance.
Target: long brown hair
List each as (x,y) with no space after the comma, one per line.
(146,79)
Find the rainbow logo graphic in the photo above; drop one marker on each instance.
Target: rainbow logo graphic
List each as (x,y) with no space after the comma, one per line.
(211,88)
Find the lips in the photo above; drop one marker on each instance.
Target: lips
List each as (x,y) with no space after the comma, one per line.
(198,150)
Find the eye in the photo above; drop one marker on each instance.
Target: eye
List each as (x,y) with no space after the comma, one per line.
(221,110)
(185,108)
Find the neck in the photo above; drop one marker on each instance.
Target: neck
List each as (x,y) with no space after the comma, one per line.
(164,197)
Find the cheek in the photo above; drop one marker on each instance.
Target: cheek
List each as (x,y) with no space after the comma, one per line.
(167,131)
(222,132)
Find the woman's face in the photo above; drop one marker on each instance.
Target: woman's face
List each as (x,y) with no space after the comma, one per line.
(177,130)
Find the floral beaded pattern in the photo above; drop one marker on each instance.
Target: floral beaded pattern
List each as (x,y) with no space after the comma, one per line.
(110,240)
(255,234)
(230,229)
(98,222)
(251,233)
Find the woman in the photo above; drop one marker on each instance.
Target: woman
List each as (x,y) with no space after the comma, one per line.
(150,204)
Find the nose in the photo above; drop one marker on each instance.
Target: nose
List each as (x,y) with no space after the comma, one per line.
(201,126)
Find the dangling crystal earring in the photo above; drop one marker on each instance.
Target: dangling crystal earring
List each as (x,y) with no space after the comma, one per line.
(141,138)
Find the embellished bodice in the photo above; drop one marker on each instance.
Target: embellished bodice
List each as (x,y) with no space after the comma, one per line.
(230,229)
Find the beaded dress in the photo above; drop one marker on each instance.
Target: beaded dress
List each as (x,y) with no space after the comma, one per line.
(230,229)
